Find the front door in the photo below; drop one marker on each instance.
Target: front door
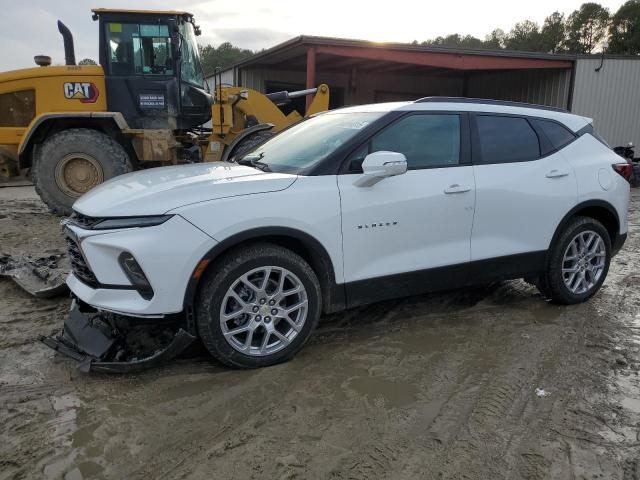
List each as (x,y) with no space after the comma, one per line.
(409,225)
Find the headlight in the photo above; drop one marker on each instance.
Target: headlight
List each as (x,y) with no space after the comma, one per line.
(130,222)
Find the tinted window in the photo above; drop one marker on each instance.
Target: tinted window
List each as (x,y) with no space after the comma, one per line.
(558,135)
(506,139)
(426,141)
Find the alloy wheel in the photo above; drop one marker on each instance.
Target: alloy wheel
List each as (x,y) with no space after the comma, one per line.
(263,311)
(583,262)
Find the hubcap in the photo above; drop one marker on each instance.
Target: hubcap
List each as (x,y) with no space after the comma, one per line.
(77,173)
(583,262)
(263,311)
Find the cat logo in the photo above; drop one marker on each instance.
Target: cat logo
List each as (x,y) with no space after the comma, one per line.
(86,92)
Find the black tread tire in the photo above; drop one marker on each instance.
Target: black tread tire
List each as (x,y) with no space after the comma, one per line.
(108,152)
(249,143)
(217,280)
(551,284)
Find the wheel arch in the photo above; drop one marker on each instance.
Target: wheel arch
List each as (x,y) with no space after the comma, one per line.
(600,210)
(43,126)
(305,245)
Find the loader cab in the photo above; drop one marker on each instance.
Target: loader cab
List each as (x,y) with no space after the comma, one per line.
(153,74)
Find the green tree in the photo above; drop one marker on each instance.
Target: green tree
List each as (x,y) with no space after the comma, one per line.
(524,36)
(456,40)
(624,32)
(496,39)
(586,27)
(224,56)
(553,33)
(87,61)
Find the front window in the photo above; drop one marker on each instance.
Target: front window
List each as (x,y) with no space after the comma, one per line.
(309,142)
(191,68)
(139,49)
(426,140)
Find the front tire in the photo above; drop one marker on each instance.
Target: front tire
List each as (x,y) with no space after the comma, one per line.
(578,263)
(71,162)
(257,306)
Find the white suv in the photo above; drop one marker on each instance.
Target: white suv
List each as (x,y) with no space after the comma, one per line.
(349,207)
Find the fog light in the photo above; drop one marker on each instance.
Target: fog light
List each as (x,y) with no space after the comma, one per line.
(136,276)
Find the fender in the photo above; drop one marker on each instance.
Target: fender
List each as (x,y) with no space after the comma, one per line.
(40,124)
(333,294)
(581,206)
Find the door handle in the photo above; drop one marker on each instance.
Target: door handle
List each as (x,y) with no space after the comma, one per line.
(455,188)
(555,173)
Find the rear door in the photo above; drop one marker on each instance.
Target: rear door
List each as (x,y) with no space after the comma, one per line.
(524,184)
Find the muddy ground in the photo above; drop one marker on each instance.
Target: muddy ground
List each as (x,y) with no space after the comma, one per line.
(437,386)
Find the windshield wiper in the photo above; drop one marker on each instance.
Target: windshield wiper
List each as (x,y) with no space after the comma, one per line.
(254,162)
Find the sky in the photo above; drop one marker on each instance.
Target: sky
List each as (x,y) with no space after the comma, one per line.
(29,26)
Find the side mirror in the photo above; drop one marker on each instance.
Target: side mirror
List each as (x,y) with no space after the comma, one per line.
(380,165)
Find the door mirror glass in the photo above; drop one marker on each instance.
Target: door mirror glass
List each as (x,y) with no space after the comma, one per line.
(380,165)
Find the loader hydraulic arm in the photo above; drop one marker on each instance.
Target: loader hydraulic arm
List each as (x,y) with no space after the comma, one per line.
(237,109)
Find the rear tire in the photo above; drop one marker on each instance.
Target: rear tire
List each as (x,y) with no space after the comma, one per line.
(255,308)
(578,263)
(71,162)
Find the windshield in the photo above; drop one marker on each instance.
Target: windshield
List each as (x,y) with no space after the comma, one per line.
(309,142)
(191,69)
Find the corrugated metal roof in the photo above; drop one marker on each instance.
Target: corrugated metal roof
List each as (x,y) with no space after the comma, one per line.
(311,40)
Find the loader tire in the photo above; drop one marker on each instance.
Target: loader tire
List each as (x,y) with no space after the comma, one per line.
(249,143)
(71,162)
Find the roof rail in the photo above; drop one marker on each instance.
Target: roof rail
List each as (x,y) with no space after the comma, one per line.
(488,101)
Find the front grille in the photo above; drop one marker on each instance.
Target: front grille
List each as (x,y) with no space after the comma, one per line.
(78,265)
(83,221)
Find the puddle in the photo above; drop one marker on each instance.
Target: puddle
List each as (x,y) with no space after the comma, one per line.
(379,391)
(632,404)
(630,388)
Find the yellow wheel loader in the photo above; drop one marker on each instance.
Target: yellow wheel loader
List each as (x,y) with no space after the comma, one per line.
(75,126)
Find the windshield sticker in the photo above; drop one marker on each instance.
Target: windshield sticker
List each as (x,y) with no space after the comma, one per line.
(354,125)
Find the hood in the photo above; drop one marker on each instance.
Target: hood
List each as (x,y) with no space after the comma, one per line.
(157,190)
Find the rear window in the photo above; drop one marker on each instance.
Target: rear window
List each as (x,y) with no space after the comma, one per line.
(506,139)
(558,135)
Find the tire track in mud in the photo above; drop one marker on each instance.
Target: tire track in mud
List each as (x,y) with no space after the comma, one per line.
(472,359)
(496,418)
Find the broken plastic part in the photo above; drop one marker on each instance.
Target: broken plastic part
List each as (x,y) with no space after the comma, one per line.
(97,346)
(42,277)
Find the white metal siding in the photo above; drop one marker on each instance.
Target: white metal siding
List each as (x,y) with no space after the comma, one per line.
(227,78)
(542,87)
(611,97)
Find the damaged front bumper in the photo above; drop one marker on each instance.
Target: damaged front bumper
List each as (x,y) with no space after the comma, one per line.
(99,344)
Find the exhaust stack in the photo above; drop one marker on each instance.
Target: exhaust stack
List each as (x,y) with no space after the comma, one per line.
(69,51)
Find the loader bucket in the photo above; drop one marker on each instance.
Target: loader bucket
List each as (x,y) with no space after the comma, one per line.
(98,347)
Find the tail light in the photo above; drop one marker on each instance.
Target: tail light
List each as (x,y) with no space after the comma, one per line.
(624,169)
